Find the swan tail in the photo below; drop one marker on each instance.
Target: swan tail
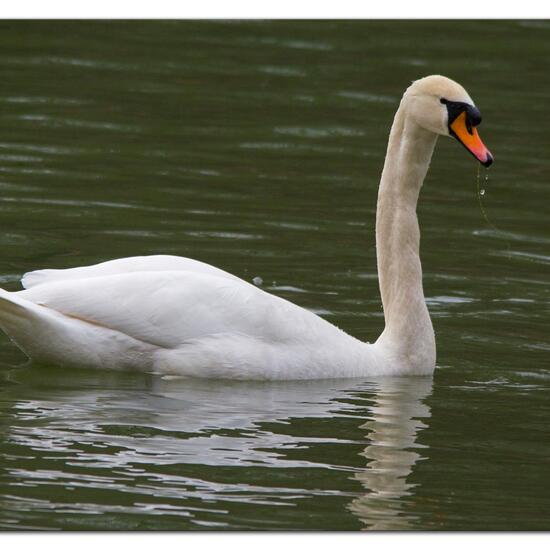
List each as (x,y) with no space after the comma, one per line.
(15,311)
(38,331)
(22,320)
(49,336)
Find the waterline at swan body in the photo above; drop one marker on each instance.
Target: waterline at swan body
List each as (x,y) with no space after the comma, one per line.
(178,316)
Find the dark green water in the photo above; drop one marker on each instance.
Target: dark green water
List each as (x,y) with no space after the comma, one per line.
(257,147)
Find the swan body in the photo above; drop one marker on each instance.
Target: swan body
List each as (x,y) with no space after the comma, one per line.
(173,315)
(178,322)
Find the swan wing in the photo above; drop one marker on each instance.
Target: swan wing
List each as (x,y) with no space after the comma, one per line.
(121,266)
(171,308)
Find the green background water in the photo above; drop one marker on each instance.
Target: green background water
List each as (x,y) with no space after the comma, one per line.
(257,147)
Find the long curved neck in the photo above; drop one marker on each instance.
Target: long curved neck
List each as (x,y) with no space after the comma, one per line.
(408,335)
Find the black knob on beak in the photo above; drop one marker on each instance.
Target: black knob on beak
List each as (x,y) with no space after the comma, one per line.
(473,115)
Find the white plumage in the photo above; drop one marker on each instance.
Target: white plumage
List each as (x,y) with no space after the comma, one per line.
(196,321)
(173,315)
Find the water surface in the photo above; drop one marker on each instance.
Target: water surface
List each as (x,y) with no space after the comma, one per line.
(257,147)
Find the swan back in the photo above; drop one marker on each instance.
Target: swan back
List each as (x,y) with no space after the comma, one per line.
(122,266)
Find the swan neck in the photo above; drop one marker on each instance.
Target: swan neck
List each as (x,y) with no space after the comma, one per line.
(408,332)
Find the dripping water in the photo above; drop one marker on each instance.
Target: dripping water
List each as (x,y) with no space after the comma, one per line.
(481,193)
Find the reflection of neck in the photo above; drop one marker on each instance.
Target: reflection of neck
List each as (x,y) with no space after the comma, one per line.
(392,438)
(408,332)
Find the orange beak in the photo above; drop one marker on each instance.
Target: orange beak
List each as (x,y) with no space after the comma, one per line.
(468,136)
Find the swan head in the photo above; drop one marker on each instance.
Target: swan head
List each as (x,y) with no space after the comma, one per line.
(442,106)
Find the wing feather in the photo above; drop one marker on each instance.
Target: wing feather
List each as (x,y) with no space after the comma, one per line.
(170,308)
(121,266)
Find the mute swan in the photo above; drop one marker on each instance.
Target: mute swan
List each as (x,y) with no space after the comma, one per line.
(172,315)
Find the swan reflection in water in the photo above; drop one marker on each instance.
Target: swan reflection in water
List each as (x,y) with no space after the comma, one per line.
(397,417)
(167,439)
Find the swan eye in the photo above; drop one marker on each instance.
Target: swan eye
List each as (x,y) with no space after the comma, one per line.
(443,100)
(456,108)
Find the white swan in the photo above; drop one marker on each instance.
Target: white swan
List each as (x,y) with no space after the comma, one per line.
(173,315)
